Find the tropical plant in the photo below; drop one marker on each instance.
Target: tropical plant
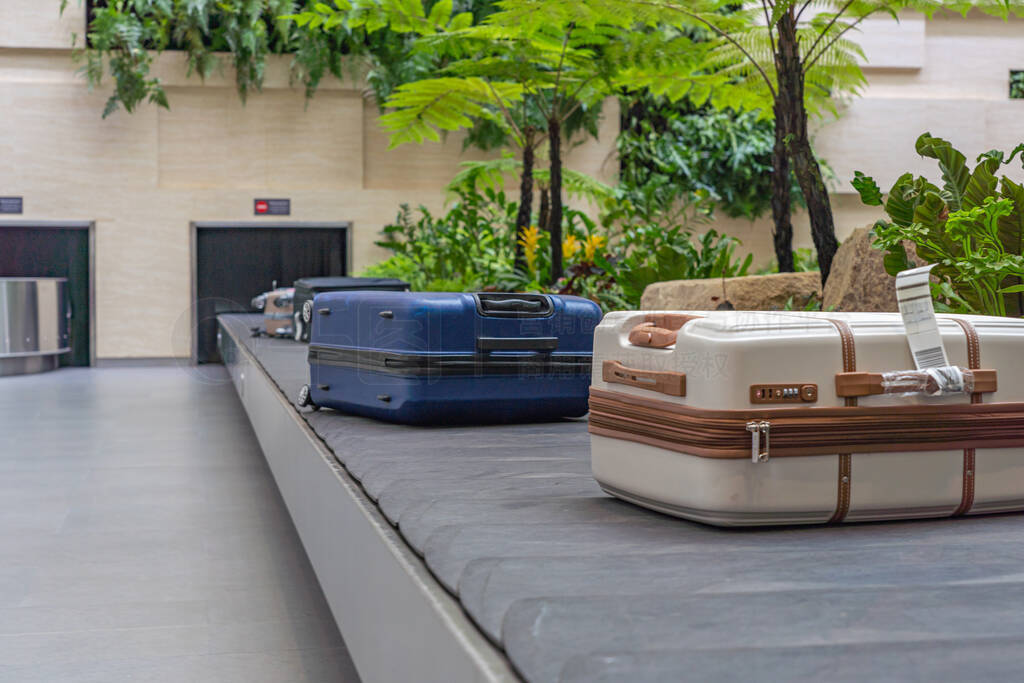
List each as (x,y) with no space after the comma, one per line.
(529,68)
(470,247)
(614,259)
(1017,85)
(787,57)
(491,173)
(500,80)
(971,228)
(682,150)
(124,36)
(610,261)
(649,256)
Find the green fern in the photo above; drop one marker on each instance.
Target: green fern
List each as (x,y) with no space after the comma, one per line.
(490,174)
(419,110)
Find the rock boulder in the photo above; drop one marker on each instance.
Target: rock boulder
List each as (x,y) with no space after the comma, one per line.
(858,281)
(748,293)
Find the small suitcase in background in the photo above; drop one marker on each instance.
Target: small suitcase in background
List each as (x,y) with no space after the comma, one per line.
(277,311)
(309,287)
(440,358)
(752,418)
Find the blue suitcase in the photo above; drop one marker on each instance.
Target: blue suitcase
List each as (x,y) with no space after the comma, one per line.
(442,358)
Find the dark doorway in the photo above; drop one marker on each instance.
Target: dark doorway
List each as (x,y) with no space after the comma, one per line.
(55,250)
(234,263)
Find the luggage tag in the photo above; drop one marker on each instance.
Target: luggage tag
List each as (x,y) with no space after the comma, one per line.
(915,301)
(914,297)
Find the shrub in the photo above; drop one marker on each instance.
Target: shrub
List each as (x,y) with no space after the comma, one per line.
(634,253)
(971,228)
(669,151)
(470,248)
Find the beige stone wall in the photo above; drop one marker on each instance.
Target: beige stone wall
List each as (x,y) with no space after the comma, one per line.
(143,177)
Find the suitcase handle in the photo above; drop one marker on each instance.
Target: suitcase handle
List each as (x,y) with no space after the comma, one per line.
(649,334)
(871,383)
(513,305)
(659,330)
(662,381)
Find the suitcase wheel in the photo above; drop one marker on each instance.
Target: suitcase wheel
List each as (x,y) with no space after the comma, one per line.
(305,400)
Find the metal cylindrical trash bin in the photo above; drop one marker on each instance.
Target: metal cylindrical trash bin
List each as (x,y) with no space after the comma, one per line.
(34,317)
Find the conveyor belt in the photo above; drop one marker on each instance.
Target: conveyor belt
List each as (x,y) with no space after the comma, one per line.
(576,586)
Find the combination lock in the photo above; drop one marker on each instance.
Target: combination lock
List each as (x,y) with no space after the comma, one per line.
(783,393)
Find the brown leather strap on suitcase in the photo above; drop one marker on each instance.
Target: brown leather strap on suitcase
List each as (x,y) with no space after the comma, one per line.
(845,475)
(872,383)
(973,363)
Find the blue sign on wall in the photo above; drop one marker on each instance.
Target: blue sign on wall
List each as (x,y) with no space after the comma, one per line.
(11,204)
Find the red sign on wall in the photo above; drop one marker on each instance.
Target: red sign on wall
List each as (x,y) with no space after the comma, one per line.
(272,207)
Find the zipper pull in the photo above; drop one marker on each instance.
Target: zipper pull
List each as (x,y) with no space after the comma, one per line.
(759,429)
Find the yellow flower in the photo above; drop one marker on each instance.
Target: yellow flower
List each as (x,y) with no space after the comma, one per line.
(530,241)
(593,243)
(570,245)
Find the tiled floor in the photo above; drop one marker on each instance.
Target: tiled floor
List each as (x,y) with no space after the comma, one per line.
(142,537)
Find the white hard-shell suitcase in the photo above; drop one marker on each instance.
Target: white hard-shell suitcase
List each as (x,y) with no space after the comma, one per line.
(754,418)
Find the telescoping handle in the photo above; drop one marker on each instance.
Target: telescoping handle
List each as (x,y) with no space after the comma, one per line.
(662,381)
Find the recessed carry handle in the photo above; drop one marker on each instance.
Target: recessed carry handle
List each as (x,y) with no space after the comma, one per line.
(872,383)
(662,381)
(500,305)
(512,305)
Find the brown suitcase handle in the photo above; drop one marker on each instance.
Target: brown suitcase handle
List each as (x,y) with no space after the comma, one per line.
(659,329)
(662,381)
(870,383)
(647,334)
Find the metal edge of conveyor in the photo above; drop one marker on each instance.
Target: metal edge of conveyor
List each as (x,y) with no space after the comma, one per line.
(398,622)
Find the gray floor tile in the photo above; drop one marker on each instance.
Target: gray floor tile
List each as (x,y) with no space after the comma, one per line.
(144,538)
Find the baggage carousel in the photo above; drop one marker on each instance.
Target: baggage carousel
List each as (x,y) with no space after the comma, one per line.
(489,553)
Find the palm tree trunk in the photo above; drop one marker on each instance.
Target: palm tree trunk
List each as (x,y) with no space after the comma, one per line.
(781,204)
(789,106)
(545,208)
(555,190)
(525,203)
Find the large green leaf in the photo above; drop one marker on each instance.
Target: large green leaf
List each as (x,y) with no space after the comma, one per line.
(955,174)
(869,191)
(930,214)
(1011,236)
(982,183)
(906,193)
(896,261)
(1011,227)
